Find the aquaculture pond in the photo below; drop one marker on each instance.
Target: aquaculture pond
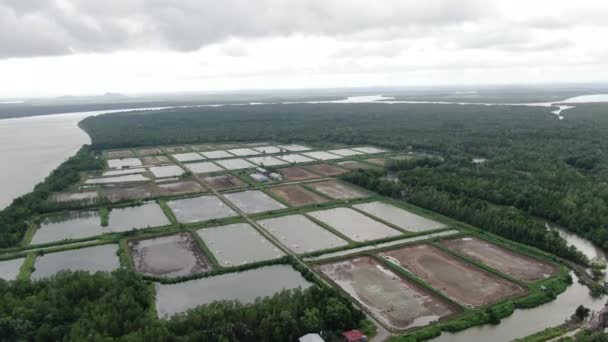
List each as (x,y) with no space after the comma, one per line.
(9,269)
(253,201)
(198,209)
(300,234)
(174,255)
(139,217)
(72,225)
(238,244)
(91,259)
(354,225)
(244,286)
(399,217)
(397,302)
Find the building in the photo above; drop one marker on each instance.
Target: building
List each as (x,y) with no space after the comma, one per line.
(276,176)
(354,336)
(258,177)
(311,338)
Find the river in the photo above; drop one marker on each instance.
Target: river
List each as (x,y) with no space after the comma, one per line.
(31,147)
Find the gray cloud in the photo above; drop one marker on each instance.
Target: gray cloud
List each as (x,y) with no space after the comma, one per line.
(39,27)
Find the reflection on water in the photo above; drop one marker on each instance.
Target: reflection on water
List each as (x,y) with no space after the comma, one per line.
(592,252)
(31,147)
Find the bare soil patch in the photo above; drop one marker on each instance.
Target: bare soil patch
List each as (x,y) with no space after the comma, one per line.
(337,190)
(177,149)
(296,173)
(398,302)
(504,260)
(223,182)
(325,169)
(179,188)
(377,161)
(122,193)
(465,283)
(149,151)
(156,160)
(354,165)
(297,195)
(169,256)
(120,154)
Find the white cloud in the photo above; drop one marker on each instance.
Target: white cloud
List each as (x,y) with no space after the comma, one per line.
(80,46)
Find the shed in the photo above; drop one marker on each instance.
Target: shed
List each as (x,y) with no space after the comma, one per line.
(311,338)
(258,177)
(276,176)
(354,336)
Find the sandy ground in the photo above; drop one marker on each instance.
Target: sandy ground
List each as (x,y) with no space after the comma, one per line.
(325,169)
(296,173)
(337,190)
(179,188)
(506,261)
(223,182)
(393,300)
(128,192)
(169,256)
(297,195)
(461,281)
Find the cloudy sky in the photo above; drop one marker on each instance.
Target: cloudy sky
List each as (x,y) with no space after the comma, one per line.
(54,47)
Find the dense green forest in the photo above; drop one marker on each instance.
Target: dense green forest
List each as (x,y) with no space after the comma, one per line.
(93,307)
(549,168)
(14,218)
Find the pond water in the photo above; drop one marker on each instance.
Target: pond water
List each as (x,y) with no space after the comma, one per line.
(253,201)
(238,244)
(353,224)
(140,217)
(243,286)
(399,217)
(9,269)
(202,208)
(300,234)
(92,259)
(73,225)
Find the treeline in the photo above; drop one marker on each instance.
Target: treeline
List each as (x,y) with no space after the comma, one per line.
(503,221)
(14,219)
(83,307)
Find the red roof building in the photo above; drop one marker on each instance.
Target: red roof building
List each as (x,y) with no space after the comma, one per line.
(354,336)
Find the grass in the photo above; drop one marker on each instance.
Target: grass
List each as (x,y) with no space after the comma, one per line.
(104,214)
(27,268)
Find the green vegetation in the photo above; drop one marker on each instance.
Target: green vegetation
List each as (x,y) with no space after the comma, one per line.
(79,306)
(503,221)
(14,219)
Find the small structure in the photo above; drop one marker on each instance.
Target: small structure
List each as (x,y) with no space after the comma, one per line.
(311,338)
(261,170)
(354,336)
(258,177)
(275,176)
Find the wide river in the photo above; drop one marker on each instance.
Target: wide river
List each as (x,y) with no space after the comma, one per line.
(31,147)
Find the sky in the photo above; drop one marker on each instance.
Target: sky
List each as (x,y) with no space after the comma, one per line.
(59,47)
